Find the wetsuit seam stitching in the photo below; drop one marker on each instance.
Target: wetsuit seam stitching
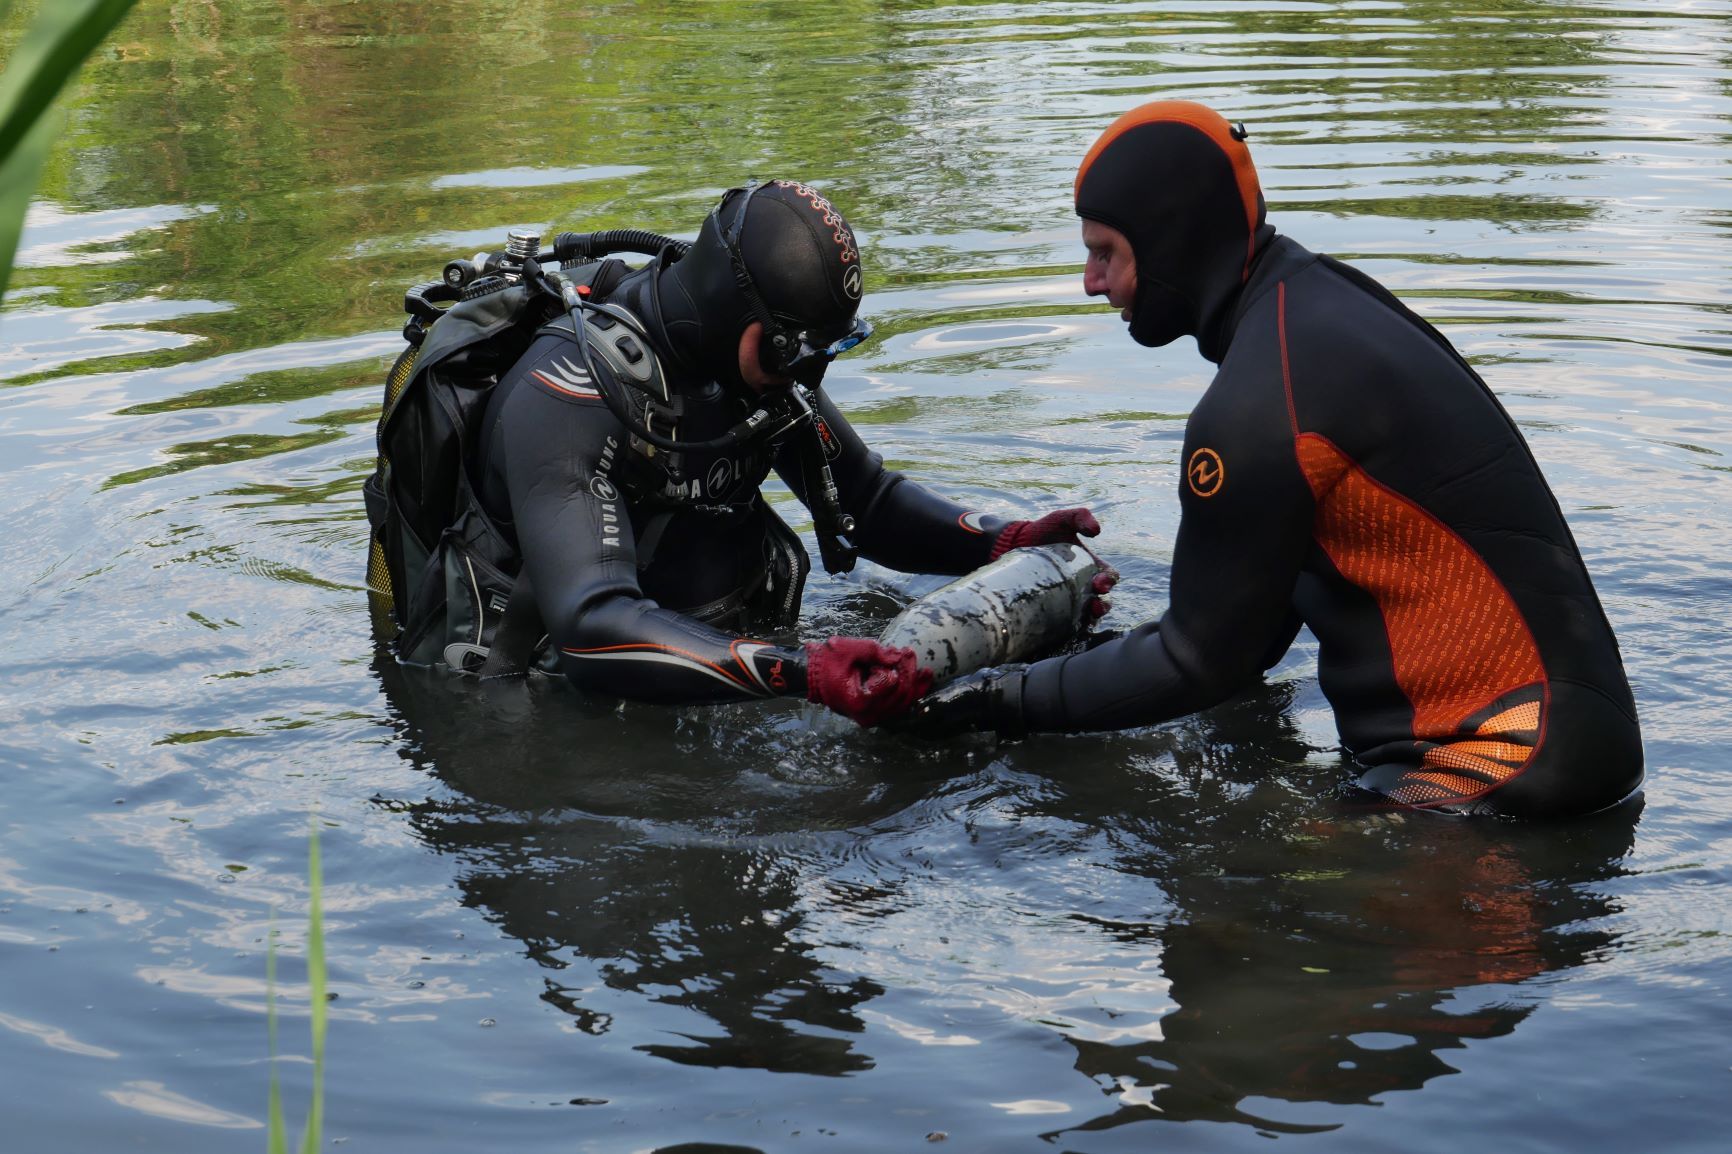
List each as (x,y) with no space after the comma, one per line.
(1250,295)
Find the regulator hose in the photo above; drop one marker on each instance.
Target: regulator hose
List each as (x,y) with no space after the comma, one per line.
(588,245)
(777,410)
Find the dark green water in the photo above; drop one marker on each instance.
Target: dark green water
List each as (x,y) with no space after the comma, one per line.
(556,926)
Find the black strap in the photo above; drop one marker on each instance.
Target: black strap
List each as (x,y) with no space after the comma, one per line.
(651,538)
(837,553)
(519,630)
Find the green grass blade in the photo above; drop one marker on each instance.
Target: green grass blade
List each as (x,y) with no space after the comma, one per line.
(63,34)
(278,1142)
(316,990)
(19,170)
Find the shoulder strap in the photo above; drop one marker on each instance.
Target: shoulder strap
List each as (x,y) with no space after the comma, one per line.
(651,537)
(623,348)
(519,629)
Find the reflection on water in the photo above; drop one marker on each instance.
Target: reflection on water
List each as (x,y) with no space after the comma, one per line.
(700,921)
(1349,969)
(1306,957)
(552,923)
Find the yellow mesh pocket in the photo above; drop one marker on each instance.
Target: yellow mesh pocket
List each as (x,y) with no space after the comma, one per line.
(400,373)
(378,573)
(395,380)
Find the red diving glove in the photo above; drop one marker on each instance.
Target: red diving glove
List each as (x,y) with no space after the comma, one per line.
(863,680)
(1060,528)
(1098,604)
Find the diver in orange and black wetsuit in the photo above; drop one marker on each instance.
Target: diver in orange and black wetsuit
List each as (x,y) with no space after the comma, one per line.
(1346,470)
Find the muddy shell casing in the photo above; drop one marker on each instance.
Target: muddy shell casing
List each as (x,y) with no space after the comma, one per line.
(1022,606)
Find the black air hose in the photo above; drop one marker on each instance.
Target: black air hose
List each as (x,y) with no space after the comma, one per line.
(587,245)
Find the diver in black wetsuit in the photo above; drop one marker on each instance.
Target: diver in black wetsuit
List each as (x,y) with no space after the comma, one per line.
(1348,471)
(653,571)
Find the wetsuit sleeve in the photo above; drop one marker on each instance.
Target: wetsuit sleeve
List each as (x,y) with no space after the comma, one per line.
(1244,529)
(575,535)
(898,523)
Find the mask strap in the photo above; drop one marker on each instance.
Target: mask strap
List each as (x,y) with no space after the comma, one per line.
(779,338)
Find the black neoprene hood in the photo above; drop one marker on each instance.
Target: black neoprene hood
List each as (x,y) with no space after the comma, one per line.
(1177,180)
(801,256)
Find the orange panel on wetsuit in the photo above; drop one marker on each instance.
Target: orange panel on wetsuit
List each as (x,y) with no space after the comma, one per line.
(1457,641)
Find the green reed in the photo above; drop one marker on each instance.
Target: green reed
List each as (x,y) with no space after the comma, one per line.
(63,34)
(278,1139)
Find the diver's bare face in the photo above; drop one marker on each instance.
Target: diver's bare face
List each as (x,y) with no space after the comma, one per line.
(1111,270)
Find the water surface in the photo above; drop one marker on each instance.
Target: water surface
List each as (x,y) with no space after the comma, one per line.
(553,924)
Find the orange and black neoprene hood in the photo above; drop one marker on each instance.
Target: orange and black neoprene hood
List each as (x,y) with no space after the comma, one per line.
(1177,179)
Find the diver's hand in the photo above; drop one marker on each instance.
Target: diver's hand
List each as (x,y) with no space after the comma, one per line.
(1061,528)
(1064,527)
(863,680)
(989,700)
(1097,606)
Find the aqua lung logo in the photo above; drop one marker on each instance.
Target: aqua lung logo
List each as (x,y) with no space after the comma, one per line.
(603,490)
(851,282)
(720,478)
(1206,473)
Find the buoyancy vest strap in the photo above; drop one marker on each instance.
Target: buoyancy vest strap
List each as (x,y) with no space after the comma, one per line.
(718,613)
(519,629)
(651,537)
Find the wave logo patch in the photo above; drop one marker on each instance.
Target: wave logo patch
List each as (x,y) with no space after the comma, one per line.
(1205,473)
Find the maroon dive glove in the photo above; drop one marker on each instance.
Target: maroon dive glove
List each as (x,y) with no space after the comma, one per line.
(863,680)
(1102,585)
(1062,527)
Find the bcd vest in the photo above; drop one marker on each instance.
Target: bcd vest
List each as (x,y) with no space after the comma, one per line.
(440,574)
